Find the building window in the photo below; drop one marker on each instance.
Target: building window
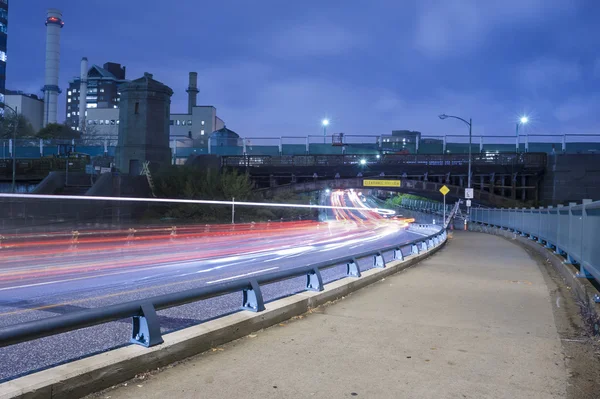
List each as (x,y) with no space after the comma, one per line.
(178,122)
(190,135)
(107,122)
(201,132)
(68,114)
(68,100)
(92,105)
(101,90)
(113,122)
(202,123)
(90,122)
(117,121)
(69,93)
(137,108)
(171,122)
(116,106)
(189,123)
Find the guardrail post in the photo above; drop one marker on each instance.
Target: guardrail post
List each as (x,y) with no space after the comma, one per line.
(173,233)
(352,268)
(549,209)
(539,237)
(430,244)
(252,298)
(414,249)
(378,261)
(146,327)
(398,255)
(314,281)
(424,246)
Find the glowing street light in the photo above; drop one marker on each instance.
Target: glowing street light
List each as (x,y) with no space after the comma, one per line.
(325,123)
(522,121)
(363,161)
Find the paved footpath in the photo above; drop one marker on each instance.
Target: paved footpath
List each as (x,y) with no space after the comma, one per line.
(473,321)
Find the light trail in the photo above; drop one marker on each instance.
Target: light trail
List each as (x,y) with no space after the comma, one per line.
(178,201)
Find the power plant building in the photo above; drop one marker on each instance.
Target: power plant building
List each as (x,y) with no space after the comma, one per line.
(198,123)
(28,105)
(101,92)
(3,47)
(54,25)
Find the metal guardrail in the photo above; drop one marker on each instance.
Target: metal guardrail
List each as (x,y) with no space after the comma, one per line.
(146,326)
(572,231)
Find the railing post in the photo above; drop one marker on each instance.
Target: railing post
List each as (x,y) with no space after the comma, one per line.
(424,246)
(307,145)
(146,327)
(558,243)
(252,298)
(480,144)
(414,249)
(583,273)
(564,143)
(569,260)
(444,145)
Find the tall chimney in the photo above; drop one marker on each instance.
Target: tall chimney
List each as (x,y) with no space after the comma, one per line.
(83,94)
(192,91)
(54,24)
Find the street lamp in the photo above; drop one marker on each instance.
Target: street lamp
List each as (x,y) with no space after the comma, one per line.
(470,124)
(325,123)
(522,121)
(14,152)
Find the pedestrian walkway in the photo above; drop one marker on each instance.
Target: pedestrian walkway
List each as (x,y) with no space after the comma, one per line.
(473,321)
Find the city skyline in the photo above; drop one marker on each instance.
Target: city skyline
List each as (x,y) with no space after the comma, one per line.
(272,70)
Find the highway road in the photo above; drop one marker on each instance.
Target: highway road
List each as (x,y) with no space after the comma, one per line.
(46,277)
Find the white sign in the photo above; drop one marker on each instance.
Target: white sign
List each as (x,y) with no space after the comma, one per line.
(468,193)
(468,203)
(104,170)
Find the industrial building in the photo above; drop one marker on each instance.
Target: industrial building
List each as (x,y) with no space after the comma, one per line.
(54,25)
(193,128)
(101,91)
(28,105)
(3,46)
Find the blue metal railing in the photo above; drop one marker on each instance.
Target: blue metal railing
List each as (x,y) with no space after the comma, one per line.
(146,326)
(571,231)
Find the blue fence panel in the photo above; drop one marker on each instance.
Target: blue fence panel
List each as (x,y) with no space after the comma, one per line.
(575,233)
(591,232)
(563,228)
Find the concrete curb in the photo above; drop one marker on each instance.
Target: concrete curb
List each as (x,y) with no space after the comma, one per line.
(581,287)
(92,374)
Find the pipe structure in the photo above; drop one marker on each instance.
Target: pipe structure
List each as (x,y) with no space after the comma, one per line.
(83,94)
(192,91)
(54,24)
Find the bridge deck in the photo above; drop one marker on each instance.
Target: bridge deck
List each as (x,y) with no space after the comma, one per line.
(475,321)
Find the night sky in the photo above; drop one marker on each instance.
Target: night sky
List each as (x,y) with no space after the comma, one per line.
(274,67)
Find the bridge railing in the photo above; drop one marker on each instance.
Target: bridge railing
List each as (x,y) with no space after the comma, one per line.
(146,326)
(571,231)
(527,160)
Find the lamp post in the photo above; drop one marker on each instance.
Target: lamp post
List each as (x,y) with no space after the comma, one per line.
(521,121)
(325,123)
(470,124)
(14,151)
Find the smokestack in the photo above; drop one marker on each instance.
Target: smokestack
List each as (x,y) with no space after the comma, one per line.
(83,94)
(54,24)
(192,91)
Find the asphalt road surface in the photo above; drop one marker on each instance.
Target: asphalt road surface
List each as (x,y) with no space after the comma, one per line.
(47,278)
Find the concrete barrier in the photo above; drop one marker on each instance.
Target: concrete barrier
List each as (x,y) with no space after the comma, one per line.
(101,371)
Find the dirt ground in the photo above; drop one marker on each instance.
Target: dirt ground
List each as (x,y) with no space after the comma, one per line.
(581,350)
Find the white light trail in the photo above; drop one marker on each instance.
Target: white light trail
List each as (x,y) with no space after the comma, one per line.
(180,201)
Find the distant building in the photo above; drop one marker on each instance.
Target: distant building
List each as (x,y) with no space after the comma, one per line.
(401,141)
(224,138)
(103,125)
(144,125)
(102,91)
(29,105)
(198,123)
(3,46)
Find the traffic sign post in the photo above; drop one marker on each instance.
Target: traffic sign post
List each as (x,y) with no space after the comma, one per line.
(444,190)
(469,193)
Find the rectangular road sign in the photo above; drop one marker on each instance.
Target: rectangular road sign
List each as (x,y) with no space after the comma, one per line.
(381,183)
(444,190)
(468,193)
(468,202)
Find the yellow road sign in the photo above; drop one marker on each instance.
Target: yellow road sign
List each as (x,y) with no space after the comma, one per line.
(444,190)
(381,183)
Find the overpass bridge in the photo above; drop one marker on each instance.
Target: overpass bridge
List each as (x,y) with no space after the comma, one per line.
(500,179)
